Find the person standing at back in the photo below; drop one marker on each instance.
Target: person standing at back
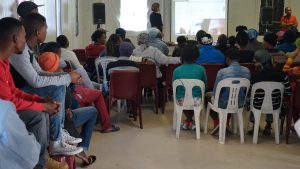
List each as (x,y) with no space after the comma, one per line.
(155,17)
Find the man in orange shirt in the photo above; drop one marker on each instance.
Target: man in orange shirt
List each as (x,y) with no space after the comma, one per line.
(288,20)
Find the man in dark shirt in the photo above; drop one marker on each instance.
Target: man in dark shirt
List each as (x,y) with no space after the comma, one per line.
(155,17)
(246,56)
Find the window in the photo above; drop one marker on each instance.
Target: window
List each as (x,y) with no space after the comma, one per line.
(133,15)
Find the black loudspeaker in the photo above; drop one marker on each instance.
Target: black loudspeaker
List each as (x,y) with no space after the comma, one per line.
(99,13)
(266,15)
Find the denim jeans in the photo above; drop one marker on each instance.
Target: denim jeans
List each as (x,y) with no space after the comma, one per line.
(58,94)
(85,117)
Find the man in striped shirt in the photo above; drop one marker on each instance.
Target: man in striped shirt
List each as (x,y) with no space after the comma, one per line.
(266,72)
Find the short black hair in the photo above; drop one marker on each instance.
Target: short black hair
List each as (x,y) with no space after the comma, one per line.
(8,27)
(242,38)
(232,54)
(240,28)
(181,40)
(231,40)
(32,22)
(222,40)
(289,36)
(97,34)
(189,54)
(63,41)
(270,38)
(51,47)
(200,35)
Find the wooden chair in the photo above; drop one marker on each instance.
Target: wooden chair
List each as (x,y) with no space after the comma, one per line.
(126,85)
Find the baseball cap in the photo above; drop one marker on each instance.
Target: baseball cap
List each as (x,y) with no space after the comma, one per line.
(26,7)
(121,32)
(49,61)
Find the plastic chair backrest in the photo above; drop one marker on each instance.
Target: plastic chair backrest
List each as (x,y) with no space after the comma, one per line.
(124,84)
(189,84)
(250,66)
(104,61)
(147,75)
(234,85)
(80,54)
(169,73)
(211,73)
(268,87)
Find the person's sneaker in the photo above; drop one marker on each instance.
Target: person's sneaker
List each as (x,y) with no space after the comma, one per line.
(67,138)
(185,125)
(192,125)
(215,130)
(53,164)
(62,148)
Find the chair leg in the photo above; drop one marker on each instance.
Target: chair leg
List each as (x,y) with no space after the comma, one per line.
(256,126)
(247,121)
(241,126)
(206,118)
(140,116)
(178,121)
(197,121)
(288,125)
(234,122)
(164,99)
(174,118)
(156,100)
(276,126)
(222,130)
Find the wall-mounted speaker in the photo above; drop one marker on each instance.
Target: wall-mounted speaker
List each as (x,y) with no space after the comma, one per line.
(99,13)
(266,15)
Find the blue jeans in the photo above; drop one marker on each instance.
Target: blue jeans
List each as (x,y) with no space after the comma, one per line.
(58,94)
(85,117)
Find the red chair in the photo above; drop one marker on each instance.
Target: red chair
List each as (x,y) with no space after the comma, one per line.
(168,83)
(250,66)
(294,110)
(148,80)
(211,73)
(126,85)
(70,160)
(80,53)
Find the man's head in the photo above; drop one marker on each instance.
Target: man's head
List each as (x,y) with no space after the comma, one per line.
(121,32)
(288,11)
(143,38)
(189,54)
(242,39)
(63,41)
(26,8)
(12,36)
(222,40)
(200,35)
(155,7)
(270,40)
(181,41)
(154,33)
(262,56)
(126,49)
(99,36)
(231,55)
(207,39)
(49,61)
(36,27)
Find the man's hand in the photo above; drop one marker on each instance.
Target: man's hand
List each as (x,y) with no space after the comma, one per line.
(51,108)
(75,77)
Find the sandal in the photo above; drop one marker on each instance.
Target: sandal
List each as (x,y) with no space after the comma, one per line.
(91,160)
(113,129)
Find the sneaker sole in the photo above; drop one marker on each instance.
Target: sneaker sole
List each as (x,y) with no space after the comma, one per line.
(79,150)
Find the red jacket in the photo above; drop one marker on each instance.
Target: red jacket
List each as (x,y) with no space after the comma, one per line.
(9,92)
(94,50)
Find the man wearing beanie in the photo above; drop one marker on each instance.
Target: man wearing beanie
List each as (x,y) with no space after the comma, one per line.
(123,62)
(266,72)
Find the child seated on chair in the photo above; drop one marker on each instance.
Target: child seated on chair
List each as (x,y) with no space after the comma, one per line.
(189,70)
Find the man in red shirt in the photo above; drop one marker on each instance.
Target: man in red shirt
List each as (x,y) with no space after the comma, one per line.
(30,108)
(288,20)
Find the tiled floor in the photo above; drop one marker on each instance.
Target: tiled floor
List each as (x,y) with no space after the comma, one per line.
(155,147)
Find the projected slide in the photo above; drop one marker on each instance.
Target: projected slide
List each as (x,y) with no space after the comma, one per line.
(193,15)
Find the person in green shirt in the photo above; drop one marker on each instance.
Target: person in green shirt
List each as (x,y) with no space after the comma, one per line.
(189,70)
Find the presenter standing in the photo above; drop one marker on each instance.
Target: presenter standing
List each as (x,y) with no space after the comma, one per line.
(155,17)
(288,20)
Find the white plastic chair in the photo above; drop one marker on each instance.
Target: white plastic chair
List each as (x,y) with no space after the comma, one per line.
(297,127)
(188,103)
(267,106)
(232,106)
(104,61)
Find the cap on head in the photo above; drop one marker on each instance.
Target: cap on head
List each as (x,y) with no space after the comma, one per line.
(121,32)
(49,61)
(252,33)
(26,8)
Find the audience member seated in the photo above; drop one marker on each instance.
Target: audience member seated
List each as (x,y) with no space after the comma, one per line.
(208,54)
(288,44)
(122,33)
(222,43)
(98,46)
(123,62)
(156,41)
(56,48)
(234,70)
(266,72)
(232,42)
(242,39)
(253,44)
(112,46)
(29,107)
(82,94)
(151,53)
(199,35)
(181,42)
(189,70)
